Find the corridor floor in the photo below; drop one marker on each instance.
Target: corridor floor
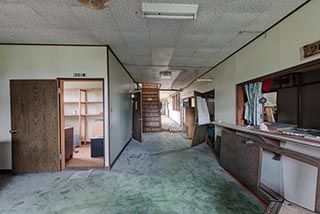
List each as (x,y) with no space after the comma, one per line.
(144,180)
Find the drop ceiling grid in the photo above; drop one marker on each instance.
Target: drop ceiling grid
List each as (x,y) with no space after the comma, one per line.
(196,44)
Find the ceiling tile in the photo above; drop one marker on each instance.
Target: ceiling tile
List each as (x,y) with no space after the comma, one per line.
(218,40)
(23,15)
(100,20)
(142,60)
(140,50)
(24,35)
(136,38)
(109,38)
(61,17)
(248,6)
(233,22)
(184,52)
(128,15)
(190,40)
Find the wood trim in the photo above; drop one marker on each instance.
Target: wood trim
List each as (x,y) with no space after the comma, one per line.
(109,48)
(61,124)
(317,205)
(263,33)
(115,160)
(80,80)
(62,115)
(256,195)
(240,105)
(109,109)
(62,45)
(271,192)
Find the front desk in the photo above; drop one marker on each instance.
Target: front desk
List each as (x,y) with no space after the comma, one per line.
(272,165)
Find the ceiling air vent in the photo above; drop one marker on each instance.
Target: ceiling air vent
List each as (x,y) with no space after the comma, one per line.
(165,74)
(169,11)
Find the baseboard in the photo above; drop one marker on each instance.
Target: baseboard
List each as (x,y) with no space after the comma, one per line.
(5,171)
(125,146)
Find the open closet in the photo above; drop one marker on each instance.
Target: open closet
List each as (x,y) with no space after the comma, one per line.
(82,107)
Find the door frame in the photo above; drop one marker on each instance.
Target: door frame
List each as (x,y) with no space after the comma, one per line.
(61,116)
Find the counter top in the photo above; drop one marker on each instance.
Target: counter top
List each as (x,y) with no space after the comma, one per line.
(271,134)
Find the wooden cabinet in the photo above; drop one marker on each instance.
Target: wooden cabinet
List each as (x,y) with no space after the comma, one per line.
(242,160)
(68,142)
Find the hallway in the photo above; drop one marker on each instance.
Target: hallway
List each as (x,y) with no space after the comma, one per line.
(143,180)
(169,125)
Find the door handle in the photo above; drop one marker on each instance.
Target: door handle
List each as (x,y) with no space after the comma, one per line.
(13,131)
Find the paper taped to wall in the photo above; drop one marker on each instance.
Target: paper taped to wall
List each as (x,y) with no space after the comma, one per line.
(203,111)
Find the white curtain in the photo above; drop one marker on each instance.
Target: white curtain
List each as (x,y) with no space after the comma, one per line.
(253,109)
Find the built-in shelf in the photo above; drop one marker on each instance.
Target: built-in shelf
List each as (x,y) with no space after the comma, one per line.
(91,102)
(71,115)
(91,115)
(71,102)
(85,89)
(87,110)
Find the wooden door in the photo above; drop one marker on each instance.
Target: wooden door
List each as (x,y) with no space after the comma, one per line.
(200,131)
(34,126)
(137,117)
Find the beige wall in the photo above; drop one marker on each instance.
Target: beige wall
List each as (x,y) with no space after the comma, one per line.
(120,107)
(42,62)
(277,50)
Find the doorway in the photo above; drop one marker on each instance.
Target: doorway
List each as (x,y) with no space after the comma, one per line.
(82,123)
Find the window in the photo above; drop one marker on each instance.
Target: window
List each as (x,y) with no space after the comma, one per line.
(176,102)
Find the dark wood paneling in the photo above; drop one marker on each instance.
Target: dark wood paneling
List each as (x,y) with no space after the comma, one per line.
(240,104)
(310,106)
(199,135)
(288,105)
(200,131)
(137,117)
(240,159)
(68,140)
(34,114)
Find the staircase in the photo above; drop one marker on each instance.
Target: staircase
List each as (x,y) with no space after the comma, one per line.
(151,108)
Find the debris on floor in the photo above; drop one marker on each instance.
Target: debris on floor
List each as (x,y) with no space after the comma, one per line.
(170,151)
(80,174)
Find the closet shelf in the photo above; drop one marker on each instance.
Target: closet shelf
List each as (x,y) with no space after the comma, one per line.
(71,115)
(91,102)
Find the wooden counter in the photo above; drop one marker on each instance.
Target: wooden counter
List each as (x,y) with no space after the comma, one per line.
(241,155)
(271,134)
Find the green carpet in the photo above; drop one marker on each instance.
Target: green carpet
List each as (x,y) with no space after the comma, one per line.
(186,181)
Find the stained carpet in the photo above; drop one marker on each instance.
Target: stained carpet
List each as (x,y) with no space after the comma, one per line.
(186,181)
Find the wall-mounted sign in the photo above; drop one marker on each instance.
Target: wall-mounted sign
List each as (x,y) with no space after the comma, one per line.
(79,74)
(311,49)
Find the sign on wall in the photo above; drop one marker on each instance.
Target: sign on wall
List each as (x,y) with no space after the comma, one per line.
(311,49)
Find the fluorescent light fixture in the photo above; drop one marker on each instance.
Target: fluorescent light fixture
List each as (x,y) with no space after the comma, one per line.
(203,80)
(169,11)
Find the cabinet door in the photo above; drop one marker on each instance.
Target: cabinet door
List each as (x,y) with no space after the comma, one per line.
(240,159)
